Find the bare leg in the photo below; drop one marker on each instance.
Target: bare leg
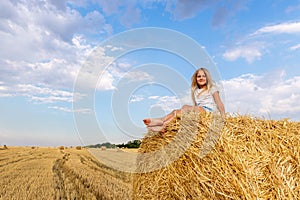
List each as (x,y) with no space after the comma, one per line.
(160,121)
(167,119)
(159,124)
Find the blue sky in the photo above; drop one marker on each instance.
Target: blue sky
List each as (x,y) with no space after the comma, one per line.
(255,46)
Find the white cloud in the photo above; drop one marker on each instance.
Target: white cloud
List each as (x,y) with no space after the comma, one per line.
(112,76)
(248,94)
(34,30)
(66,109)
(4,91)
(106,81)
(167,103)
(154,97)
(138,76)
(118,71)
(44,94)
(136,98)
(43,47)
(287,27)
(37,93)
(56,73)
(114,48)
(249,52)
(295,47)
(255,45)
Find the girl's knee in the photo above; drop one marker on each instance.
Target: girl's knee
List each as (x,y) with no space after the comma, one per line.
(185,107)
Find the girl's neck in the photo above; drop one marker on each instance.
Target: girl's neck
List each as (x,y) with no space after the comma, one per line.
(203,87)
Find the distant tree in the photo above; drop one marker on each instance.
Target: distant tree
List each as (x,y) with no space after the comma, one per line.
(106,145)
(121,145)
(130,144)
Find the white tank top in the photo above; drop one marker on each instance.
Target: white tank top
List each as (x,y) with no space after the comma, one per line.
(205,98)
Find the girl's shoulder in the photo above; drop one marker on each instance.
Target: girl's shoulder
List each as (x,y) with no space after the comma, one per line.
(214,88)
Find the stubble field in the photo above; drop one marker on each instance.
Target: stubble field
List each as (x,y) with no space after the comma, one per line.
(52,173)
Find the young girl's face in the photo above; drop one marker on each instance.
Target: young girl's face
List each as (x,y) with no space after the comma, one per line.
(201,78)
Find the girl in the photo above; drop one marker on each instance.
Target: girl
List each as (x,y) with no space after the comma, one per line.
(205,96)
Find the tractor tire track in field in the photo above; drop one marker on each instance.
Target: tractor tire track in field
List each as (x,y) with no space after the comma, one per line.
(69,184)
(52,173)
(59,187)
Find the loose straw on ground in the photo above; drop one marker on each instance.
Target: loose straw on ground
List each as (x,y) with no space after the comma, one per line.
(247,158)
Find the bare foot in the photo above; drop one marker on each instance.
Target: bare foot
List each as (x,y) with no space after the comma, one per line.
(153,122)
(146,121)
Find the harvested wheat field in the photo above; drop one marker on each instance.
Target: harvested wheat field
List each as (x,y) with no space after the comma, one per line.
(59,173)
(199,157)
(249,158)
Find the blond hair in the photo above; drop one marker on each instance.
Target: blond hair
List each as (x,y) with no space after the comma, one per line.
(194,85)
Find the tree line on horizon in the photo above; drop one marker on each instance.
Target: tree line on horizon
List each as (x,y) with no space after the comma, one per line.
(129,144)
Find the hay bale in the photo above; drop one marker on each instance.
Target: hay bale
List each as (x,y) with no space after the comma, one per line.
(253,159)
(61,148)
(4,147)
(103,148)
(78,147)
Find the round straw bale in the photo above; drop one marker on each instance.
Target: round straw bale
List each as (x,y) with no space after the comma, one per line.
(61,147)
(247,158)
(78,147)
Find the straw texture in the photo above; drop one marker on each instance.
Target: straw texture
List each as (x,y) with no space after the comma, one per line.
(240,157)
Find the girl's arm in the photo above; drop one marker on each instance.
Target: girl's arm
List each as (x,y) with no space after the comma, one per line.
(219,103)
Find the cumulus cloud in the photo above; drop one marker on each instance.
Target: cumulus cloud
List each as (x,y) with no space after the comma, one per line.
(40,25)
(254,45)
(249,52)
(56,73)
(111,76)
(42,42)
(138,76)
(167,103)
(248,94)
(106,81)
